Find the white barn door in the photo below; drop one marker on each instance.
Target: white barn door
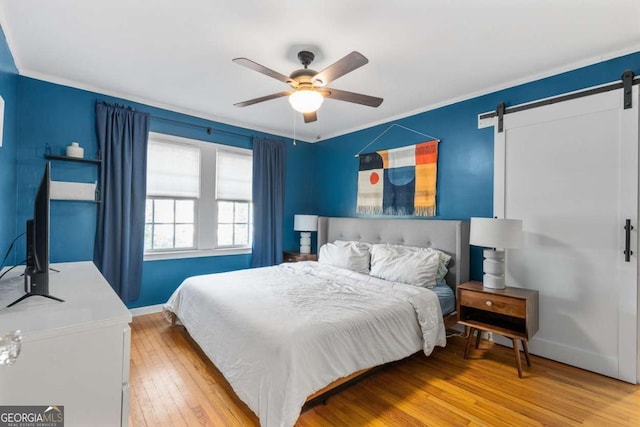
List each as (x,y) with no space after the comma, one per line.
(570,172)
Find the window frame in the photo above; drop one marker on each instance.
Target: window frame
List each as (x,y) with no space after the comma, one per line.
(195,223)
(206,243)
(249,222)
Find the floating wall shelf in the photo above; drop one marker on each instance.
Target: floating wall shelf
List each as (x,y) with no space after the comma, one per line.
(73,159)
(74,191)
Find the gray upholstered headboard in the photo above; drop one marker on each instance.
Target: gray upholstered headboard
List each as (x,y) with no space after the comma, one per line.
(451,237)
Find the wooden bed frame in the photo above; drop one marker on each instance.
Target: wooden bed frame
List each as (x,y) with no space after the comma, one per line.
(321,396)
(451,237)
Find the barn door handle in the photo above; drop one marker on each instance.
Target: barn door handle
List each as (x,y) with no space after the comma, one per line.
(627,240)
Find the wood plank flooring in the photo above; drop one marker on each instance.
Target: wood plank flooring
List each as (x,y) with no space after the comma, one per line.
(174,384)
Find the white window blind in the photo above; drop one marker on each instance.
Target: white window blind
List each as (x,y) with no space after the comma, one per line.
(173,170)
(234,172)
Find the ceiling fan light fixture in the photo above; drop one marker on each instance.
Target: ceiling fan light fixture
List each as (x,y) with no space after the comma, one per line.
(309,86)
(306,100)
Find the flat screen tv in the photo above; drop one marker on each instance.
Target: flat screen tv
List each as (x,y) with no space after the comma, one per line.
(36,273)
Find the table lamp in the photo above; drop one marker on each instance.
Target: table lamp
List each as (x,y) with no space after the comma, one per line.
(305,224)
(497,234)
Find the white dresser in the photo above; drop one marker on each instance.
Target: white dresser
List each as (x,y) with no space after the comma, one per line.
(74,353)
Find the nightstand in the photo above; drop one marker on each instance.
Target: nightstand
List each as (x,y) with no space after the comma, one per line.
(297,256)
(511,312)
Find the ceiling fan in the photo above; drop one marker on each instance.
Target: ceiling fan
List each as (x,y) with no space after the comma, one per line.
(309,86)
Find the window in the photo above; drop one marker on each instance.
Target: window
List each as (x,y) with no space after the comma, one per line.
(169,224)
(198,198)
(233,196)
(173,188)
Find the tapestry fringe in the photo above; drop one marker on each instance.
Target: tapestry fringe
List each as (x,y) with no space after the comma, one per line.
(393,211)
(369,210)
(376,210)
(425,211)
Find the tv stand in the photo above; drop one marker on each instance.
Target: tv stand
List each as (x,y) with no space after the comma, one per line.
(41,287)
(25,296)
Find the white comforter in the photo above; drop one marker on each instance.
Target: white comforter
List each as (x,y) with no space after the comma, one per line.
(279,334)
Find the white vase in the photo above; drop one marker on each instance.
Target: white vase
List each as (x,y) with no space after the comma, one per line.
(74,150)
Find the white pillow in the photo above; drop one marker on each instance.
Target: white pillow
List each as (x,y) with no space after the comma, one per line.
(355,242)
(354,256)
(442,267)
(444,259)
(413,266)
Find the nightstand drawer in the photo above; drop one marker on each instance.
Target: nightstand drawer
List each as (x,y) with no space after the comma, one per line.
(297,256)
(494,303)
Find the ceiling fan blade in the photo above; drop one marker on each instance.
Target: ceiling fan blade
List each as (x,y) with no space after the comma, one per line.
(340,68)
(310,117)
(357,98)
(262,99)
(262,69)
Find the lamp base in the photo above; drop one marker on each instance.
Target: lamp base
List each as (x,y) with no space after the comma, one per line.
(305,242)
(491,281)
(493,267)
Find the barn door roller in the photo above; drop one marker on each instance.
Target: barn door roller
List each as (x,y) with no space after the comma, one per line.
(500,113)
(627,82)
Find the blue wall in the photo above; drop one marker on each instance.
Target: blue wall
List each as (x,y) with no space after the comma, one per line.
(8,91)
(56,115)
(465,163)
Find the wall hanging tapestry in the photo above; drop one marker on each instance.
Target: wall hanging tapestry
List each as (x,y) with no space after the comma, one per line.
(399,181)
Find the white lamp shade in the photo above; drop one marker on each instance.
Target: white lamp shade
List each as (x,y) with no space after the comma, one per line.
(305,100)
(496,233)
(305,223)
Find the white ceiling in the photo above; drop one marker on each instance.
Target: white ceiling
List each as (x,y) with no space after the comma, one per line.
(422,53)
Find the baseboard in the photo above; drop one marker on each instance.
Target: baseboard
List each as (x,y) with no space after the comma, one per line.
(149,309)
(574,356)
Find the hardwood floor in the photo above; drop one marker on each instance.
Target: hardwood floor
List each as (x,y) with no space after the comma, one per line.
(174,384)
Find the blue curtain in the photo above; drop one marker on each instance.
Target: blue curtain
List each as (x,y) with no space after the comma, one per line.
(119,245)
(268,201)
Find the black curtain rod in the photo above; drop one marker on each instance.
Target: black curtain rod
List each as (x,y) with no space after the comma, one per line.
(601,89)
(209,129)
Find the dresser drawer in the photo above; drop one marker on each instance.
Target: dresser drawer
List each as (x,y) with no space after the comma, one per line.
(509,306)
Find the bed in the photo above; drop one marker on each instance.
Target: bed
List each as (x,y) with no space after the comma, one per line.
(283,334)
